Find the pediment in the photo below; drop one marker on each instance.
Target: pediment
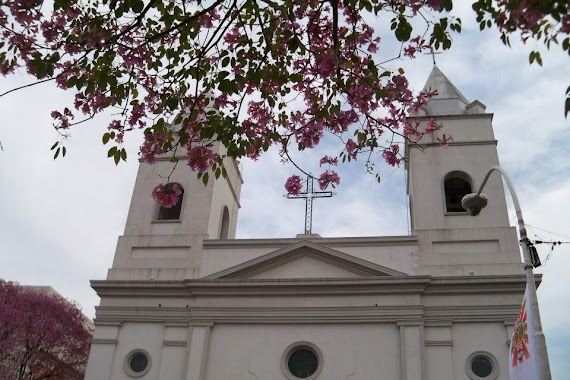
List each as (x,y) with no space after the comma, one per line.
(305,260)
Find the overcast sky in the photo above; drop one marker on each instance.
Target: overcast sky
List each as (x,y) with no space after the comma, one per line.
(59,220)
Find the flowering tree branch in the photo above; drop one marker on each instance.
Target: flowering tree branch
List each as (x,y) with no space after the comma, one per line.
(250,74)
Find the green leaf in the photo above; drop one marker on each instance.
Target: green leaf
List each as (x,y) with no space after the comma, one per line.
(403,30)
(123,154)
(137,6)
(71,81)
(106,138)
(63,151)
(112,151)
(60,4)
(205,178)
(54,145)
(172,103)
(56,153)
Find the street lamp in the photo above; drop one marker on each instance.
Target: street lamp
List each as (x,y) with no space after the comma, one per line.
(473,203)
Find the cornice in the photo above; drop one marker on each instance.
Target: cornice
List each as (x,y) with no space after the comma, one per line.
(264,287)
(405,315)
(452,117)
(167,315)
(317,286)
(422,145)
(402,315)
(365,241)
(424,285)
(471,313)
(477,284)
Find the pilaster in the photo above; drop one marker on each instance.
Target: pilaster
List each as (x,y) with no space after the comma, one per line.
(411,350)
(198,355)
(102,351)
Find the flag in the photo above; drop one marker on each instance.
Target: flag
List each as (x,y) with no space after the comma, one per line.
(523,364)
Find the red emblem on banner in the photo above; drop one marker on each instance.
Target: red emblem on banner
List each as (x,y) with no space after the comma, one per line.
(519,341)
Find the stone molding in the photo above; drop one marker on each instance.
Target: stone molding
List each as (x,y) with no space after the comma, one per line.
(423,145)
(189,293)
(367,241)
(424,284)
(208,316)
(453,117)
(405,315)
(476,284)
(103,341)
(233,287)
(438,343)
(483,313)
(174,343)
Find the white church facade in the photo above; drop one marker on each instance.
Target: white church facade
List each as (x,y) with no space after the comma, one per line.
(185,300)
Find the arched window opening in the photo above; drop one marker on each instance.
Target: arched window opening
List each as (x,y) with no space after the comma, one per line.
(172,213)
(225,226)
(456,186)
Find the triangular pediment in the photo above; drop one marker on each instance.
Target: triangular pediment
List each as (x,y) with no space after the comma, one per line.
(305,260)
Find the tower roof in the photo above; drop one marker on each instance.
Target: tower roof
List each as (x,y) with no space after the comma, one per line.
(449,100)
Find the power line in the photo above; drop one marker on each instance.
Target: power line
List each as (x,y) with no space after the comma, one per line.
(550,232)
(542,241)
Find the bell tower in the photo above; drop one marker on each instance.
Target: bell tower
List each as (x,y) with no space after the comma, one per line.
(165,243)
(439,175)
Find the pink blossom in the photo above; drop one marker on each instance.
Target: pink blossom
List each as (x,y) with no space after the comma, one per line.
(444,140)
(293,185)
(391,155)
(328,160)
(431,126)
(152,146)
(328,177)
(167,195)
(351,149)
(63,120)
(200,158)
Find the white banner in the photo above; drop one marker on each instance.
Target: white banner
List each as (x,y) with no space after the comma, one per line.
(523,363)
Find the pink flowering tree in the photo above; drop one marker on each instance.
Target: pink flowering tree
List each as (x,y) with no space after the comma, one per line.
(42,336)
(250,74)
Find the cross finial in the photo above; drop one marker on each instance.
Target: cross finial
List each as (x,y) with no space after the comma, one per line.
(433,53)
(309,195)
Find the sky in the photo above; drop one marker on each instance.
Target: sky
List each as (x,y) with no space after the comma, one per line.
(60,220)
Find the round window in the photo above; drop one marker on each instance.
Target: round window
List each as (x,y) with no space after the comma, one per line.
(303,363)
(482,365)
(302,360)
(137,363)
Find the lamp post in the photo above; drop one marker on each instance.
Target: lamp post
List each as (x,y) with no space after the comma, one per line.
(473,203)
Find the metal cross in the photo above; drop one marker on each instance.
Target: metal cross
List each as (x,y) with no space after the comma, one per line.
(433,53)
(309,195)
